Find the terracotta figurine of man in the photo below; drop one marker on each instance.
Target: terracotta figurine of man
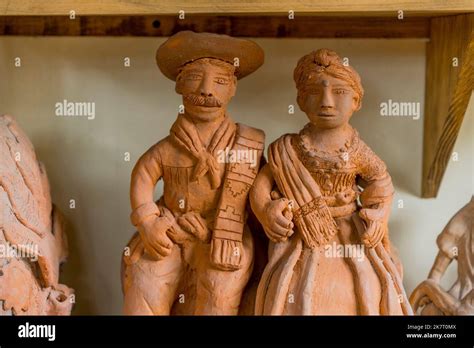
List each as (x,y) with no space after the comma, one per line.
(329,254)
(193,253)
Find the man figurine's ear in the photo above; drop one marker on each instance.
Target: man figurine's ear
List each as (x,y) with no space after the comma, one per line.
(178,84)
(234,87)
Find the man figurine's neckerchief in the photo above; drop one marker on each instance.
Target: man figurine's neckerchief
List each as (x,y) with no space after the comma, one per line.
(226,244)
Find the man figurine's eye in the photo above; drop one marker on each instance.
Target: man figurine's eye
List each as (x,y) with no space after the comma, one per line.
(221,81)
(340,91)
(193,77)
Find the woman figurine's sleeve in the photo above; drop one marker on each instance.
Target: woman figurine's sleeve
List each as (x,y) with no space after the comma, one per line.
(376,197)
(375,178)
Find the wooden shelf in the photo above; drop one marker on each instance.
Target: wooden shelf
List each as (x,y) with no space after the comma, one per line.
(244,26)
(448,26)
(231,7)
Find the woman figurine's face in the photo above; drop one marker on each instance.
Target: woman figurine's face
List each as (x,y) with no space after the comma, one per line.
(328,102)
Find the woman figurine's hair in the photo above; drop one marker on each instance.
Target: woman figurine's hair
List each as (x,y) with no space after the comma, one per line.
(326,61)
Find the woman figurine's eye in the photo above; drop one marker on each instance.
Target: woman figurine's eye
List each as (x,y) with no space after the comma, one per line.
(340,91)
(313,90)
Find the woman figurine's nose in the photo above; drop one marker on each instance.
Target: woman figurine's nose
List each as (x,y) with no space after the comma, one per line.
(328,101)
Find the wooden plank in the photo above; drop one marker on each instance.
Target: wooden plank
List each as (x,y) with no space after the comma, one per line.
(228,7)
(448,90)
(245,26)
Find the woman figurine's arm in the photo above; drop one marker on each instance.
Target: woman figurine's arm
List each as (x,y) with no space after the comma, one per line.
(272,214)
(376,198)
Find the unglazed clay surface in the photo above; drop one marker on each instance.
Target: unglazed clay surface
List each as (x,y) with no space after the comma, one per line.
(455,242)
(194,251)
(32,239)
(329,254)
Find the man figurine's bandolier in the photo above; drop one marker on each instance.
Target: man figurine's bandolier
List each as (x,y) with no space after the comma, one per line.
(193,253)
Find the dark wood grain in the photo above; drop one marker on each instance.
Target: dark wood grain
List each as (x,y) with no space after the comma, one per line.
(244,26)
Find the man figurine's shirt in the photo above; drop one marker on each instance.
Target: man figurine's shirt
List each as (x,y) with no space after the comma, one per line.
(177,168)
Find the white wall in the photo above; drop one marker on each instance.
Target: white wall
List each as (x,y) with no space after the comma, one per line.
(135,107)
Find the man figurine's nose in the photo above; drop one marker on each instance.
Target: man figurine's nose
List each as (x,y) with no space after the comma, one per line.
(205,88)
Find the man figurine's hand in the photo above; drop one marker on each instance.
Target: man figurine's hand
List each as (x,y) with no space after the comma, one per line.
(153,233)
(194,224)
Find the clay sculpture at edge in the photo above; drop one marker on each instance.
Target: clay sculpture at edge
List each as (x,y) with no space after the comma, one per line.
(455,242)
(194,252)
(307,199)
(33,243)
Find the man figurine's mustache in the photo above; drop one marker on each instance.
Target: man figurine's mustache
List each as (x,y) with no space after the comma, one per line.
(200,100)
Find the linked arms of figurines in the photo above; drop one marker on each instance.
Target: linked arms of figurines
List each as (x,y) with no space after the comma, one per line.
(272,210)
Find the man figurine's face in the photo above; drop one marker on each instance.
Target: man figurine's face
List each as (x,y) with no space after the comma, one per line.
(207,86)
(328,102)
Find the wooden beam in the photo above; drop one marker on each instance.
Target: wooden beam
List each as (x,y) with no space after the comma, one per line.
(229,7)
(448,90)
(246,26)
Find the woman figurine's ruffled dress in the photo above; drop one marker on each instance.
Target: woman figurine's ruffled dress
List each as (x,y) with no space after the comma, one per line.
(324,201)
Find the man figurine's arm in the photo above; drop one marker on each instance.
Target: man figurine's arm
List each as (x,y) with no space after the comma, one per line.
(145,175)
(145,213)
(260,192)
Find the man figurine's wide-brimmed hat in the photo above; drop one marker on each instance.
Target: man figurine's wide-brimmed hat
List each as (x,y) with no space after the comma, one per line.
(188,46)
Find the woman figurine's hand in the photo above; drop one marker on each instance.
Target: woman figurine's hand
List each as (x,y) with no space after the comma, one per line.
(376,227)
(277,220)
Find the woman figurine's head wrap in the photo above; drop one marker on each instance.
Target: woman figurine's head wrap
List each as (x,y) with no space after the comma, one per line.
(328,62)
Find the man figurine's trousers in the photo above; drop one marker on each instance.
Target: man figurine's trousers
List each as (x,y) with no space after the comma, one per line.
(185,282)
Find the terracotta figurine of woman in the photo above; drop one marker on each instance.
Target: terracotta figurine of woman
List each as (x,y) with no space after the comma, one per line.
(324,201)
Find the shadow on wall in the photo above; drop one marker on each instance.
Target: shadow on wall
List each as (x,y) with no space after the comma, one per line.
(74,271)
